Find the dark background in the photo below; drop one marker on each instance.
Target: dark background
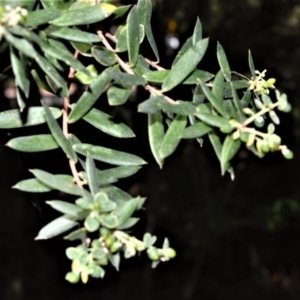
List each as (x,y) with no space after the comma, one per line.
(234,239)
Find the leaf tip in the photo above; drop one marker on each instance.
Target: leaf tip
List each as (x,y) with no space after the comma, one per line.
(40,238)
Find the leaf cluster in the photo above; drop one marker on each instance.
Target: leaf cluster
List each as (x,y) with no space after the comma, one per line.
(57,43)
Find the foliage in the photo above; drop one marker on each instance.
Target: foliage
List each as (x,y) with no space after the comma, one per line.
(56,43)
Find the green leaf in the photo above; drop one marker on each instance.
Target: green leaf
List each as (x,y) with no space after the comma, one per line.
(216,102)
(118,95)
(66,208)
(156,134)
(237,104)
(79,234)
(133,34)
(58,50)
(20,99)
(121,36)
(113,174)
(150,106)
(124,211)
(197,35)
(41,82)
(185,47)
(58,134)
(160,76)
(92,175)
(251,65)
(58,4)
(109,221)
(213,120)
(115,260)
(33,143)
(62,183)
(12,118)
(216,143)
(83,48)
(91,224)
(141,66)
(39,17)
(144,8)
(83,78)
(156,103)
(56,227)
(185,65)
(84,16)
(119,172)
(128,224)
(120,11)
(89,97)
(32,185)
(19,68)
(104,56)
(21,44)
(246,98)
(116,194)
(229,149)
(109,156)
(50,70)
(105,205)
(223,62)
(72,34)
(172,137)
(127,80)
(196,130)
(218,85)
(103,122)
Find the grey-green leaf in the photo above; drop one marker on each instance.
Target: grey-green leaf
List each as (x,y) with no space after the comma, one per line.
(86,15)
(156,134)
(124,211)
(118,95)
(50,70)
(33,143)
(251,65)
(215,101)
(62,183)
(19,68)
(103,122)
(12,118)
(21,44)
(196,130)
(197,35)
(213,120)
(133,34)
(104,56)
(185,65)
(56,227)
(172,136)
(160,76)
(66,208)
(145,10)
(127,80)
(92,175)
(229,149)
(109,156)
(72,34)
(32,185)
(58,135)
(40,17)
(89,97)
(223,62)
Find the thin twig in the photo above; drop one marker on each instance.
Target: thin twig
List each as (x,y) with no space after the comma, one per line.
(154,65)
(127,69)
(65,125)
